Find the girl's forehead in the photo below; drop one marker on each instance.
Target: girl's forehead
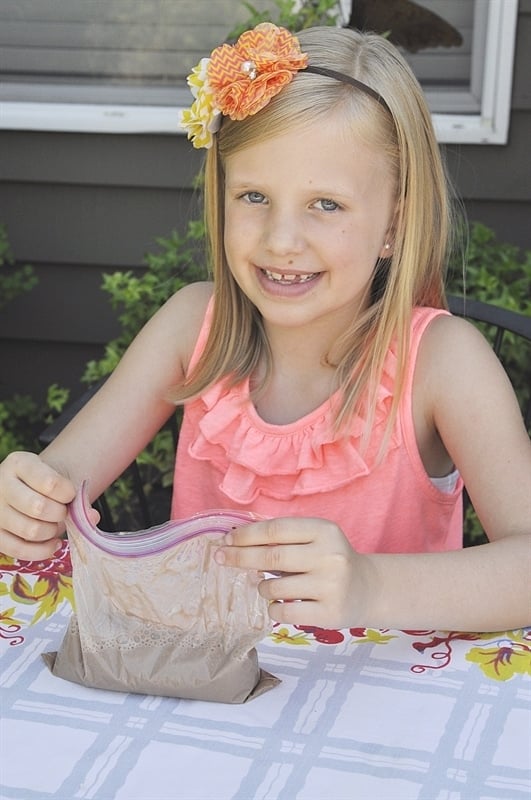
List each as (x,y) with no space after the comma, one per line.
(326,146)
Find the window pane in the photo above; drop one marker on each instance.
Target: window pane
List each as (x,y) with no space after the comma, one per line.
(131,45)
(443,41)
(436,29)
(51,45)
(120,65)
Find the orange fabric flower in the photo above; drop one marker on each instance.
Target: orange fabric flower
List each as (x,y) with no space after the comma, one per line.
(244,77)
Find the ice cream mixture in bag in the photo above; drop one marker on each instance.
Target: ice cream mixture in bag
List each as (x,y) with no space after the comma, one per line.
(155,614)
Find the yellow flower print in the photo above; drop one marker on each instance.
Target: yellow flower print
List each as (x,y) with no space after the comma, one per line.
(285,636)
(508,655)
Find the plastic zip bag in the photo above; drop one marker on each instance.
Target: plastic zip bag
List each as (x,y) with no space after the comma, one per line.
(155,614)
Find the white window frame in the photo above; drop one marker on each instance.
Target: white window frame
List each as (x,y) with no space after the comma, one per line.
(491,84)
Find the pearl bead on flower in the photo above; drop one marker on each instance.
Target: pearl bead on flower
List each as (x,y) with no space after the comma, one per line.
(249,67)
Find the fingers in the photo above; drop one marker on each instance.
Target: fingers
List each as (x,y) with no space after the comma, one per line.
(285,544)
(286,606)
(16,547)
(282,530)
(305,600)
(33,498)
(311,568)
(30,471)
(299,612)
(271,558)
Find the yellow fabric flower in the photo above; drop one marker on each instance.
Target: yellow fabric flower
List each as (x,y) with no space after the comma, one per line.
(202,119)
(198,77)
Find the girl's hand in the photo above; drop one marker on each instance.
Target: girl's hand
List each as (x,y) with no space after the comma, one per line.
(33,498)
(321,580)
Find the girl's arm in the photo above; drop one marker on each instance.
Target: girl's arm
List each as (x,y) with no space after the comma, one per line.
(467,398)
(105,436)
(326,583)
(470,402)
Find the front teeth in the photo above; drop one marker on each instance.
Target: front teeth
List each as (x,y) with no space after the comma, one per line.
(285,277)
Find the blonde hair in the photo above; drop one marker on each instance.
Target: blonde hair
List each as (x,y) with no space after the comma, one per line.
(412,276)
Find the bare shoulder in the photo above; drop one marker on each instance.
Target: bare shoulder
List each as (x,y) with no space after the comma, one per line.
(193,298)
(179,320)
(160,353)
(188,305)
(461,371)
(449,334)
(454,355)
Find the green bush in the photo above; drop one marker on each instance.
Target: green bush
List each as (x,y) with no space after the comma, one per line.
(498,273)
(181,260)
(290,15)
(21,417)
(13,281)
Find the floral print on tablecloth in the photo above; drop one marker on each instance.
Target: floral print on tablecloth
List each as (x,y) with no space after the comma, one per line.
(42,585)
(46,585)
(500,656)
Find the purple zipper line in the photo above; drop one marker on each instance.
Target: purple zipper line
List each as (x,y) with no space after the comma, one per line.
(78,515)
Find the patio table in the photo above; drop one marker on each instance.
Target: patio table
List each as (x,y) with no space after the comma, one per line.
(359,713)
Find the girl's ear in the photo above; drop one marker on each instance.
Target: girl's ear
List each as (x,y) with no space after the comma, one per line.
(388,246)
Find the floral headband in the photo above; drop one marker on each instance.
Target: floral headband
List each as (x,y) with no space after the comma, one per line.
(239,80)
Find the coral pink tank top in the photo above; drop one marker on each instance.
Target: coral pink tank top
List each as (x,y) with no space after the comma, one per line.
(229,458)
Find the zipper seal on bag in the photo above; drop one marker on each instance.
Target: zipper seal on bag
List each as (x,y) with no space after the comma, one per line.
(131,544)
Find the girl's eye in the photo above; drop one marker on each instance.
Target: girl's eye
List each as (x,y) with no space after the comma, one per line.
(254,197)
(325,204)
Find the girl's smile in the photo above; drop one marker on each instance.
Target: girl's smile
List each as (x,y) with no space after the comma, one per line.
(289,279)
(306,220)
(287,284)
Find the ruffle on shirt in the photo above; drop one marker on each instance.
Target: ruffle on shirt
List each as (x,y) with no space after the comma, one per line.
(284,461)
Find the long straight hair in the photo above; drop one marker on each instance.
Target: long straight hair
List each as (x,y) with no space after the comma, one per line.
(421,229)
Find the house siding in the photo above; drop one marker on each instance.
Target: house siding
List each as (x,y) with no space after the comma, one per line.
(79,205)
(75,207)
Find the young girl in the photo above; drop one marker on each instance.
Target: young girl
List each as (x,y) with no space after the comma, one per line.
(328,390)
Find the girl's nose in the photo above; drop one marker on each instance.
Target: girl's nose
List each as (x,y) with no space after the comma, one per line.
(283,232)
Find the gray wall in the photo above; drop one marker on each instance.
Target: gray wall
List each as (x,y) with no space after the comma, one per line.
(77,205)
